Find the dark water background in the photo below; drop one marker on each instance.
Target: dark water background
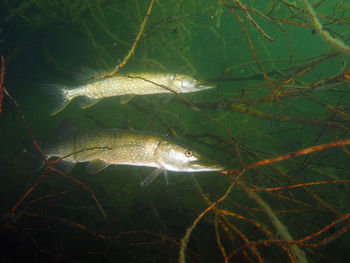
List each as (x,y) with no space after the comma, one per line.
(48,42)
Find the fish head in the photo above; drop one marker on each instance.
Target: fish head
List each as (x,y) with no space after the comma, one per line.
(183,84)
(174,157)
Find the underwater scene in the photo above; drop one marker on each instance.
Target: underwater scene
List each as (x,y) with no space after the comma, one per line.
(174,131)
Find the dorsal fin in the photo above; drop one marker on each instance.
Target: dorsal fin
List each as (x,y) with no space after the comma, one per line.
(65,129)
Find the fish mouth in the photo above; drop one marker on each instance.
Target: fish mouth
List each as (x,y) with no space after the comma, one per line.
(204,85)
(205,165)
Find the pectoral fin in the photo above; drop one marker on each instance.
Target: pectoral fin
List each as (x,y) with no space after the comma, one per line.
(64,166)
(96,166)
(166,177)
(126,99)
(87,102)
(150,178)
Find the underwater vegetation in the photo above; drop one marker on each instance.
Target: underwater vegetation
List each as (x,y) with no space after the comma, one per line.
(275,115)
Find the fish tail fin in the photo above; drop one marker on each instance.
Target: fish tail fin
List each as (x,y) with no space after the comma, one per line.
(59,97)
(38,161)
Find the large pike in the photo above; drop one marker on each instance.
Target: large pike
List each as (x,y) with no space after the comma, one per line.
(104,147)
(122,84)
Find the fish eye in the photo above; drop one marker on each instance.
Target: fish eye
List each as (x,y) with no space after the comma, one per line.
(188,153)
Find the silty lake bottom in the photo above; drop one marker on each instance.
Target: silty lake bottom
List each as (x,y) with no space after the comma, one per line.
(278,120)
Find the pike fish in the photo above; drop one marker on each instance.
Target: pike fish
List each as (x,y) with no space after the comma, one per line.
(105,147)
(131,84)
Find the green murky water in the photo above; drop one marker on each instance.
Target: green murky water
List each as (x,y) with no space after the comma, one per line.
(49,42)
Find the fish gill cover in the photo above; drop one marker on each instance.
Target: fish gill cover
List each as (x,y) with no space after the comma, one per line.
(278,119)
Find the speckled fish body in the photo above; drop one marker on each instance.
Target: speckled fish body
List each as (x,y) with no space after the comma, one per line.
(119,85)
(123,147)
(134,84)
(113,146)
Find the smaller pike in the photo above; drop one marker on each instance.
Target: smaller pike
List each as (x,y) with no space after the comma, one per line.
(131,84)
(123,147)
